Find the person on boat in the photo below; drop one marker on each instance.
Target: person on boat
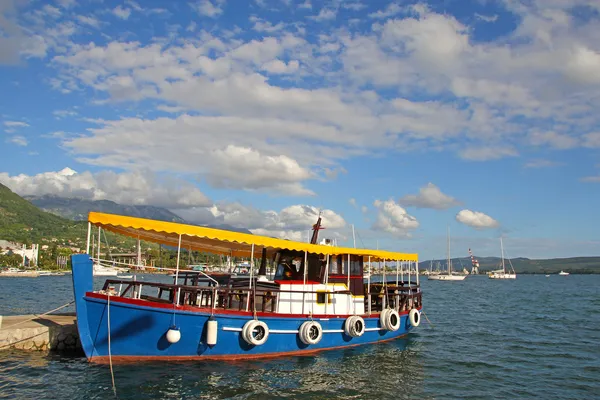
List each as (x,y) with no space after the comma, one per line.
(288,269)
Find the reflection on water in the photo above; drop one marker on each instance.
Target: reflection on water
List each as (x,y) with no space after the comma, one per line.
(492,339)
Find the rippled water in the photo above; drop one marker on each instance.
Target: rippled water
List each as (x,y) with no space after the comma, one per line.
(533,337)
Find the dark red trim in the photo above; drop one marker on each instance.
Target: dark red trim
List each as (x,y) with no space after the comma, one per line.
(342,276)
(150,304)
(226,357)
(298,282)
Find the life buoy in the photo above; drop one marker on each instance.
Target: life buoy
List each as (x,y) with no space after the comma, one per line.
(354,326)
(414,316)
(255,332)
(390,320)
(310,332)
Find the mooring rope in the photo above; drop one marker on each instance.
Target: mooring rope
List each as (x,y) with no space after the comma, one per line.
(112,374)
(39,315)
(423,312)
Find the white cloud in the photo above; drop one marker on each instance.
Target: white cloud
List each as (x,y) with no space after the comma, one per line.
(592,140)
(64,113)
(487,153)
(355,6)
(591,179)
(352,202)
(16,124)
(280,67)
(19,140)
(121,12)
(291,223)
(553,139)
(476,219)
(307,5)
(91,21)
(540,163)
(325,14)
(66,3)
(323,99)
(260,25)
(137,188)
(391,10)
(487,18)
(394,219)
(208,8)
(51,11)
(430,196)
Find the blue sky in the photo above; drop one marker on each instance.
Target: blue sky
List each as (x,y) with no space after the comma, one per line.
(399,118)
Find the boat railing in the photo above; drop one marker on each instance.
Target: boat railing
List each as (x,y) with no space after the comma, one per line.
(401,297)
(260,299)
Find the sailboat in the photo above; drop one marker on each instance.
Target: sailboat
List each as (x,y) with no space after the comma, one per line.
(503,274)
(450,276)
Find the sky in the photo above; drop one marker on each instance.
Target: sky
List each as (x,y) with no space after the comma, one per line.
(405,120)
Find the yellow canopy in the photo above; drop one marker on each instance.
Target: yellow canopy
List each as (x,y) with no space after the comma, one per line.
(221,241)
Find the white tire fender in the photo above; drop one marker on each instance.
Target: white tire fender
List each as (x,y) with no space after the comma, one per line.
(310,332)
(414,316)
(354,326)
(255,332)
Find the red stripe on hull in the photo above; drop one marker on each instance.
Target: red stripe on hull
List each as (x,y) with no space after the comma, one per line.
(227,357)
(145,303)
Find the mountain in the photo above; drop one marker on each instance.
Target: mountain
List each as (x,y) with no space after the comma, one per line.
(522,265)
(21,221)
(78,209)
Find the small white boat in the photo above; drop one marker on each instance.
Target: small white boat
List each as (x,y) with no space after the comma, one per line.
(503,273)
(563,273)
(450,276)
(19,273)
(547,276)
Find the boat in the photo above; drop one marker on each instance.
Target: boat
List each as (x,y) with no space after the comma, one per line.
(316,301)
(563,273)
(50,273)
(19,273)
(547,276)
(502,273)
(451,276)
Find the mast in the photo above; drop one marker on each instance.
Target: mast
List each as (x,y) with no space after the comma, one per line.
(316,227)
(449,267)
(502,250)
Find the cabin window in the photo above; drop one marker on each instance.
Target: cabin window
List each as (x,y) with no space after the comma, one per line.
(356,265)
(335,265)
(323,296)
(341,266)
(290,266)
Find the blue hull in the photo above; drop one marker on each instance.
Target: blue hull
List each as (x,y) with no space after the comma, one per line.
(138,329)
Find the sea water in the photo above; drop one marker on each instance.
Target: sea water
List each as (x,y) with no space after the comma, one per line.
(534,337)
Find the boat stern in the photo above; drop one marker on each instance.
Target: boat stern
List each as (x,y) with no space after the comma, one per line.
(83,282)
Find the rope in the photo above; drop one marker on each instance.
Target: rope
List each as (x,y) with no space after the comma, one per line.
(39,315)
(423,312)
(112,374)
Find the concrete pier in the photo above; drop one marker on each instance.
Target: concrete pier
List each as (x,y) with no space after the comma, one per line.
(57,332)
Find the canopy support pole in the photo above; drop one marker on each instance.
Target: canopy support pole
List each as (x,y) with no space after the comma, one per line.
(250,281)
(326,282)
(177,265)
(99,236)
(369,284)
(304,273)
(87,248)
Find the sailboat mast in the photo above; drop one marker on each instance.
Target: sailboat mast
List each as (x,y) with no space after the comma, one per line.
(449,267)
(502,250)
